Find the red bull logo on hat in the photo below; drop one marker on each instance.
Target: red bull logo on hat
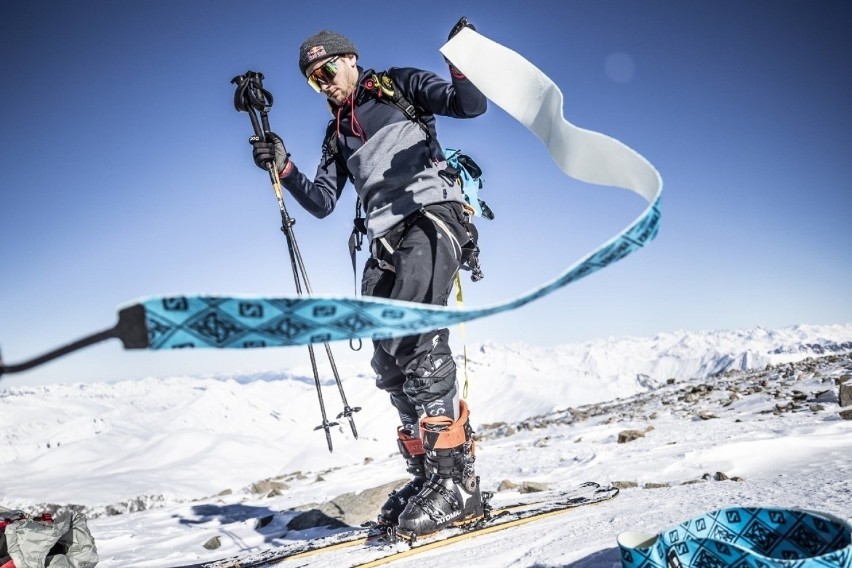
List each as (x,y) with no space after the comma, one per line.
(315,53)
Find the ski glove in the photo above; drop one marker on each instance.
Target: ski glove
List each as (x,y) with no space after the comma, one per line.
(272,151)
(462,23)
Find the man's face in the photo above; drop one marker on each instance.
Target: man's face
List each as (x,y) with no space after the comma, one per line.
(335,76)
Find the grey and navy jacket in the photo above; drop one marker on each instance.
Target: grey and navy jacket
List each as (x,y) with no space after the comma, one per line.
(394,164)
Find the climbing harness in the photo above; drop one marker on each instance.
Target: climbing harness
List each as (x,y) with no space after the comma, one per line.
(460,169)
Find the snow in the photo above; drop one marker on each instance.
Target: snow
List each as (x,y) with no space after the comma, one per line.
(162,465)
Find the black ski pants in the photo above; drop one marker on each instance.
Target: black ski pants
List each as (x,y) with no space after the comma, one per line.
(417,261)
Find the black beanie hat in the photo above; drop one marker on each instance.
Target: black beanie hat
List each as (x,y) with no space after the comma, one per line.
(321,45)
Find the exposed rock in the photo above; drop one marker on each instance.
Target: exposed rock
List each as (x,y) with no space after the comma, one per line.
(720,476)
(630,435)
(267,486)
(624,484)
(846,394)
(349,509)
(580,415)
(652,485)
(846,414)
(312,519)
(532,487)
(213,543)
(499,429)
(507,485)
(829,396)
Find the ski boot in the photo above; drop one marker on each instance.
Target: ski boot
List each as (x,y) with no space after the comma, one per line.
(451,495)
(412,450)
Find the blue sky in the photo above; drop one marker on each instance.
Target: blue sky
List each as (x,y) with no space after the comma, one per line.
(126,171)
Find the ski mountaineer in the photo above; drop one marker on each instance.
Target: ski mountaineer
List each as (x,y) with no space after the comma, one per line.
(416,225)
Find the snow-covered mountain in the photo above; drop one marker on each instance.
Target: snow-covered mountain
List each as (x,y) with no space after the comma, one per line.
(545,379)
(162,444)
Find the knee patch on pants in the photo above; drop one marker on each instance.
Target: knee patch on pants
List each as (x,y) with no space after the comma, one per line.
(433,380)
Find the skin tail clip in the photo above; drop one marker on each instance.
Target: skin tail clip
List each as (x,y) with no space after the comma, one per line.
(130,329)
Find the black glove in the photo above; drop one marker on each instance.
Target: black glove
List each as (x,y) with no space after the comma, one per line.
(462,23)
(270,152)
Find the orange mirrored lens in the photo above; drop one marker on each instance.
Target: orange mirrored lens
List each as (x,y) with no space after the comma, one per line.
(323,75)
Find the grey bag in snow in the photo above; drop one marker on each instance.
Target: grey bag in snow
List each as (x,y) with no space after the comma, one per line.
(64,543)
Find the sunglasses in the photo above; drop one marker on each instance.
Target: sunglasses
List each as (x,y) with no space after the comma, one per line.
(324,74)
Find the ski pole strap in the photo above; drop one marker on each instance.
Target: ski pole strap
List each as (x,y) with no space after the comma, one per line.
(746,538)
(526,94)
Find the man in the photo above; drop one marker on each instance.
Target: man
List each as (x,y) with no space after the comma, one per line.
(416,224)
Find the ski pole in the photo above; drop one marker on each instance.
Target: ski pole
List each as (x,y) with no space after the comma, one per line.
(251,97)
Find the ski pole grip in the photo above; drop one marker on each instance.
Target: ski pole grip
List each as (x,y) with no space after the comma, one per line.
(251,97)
(258,131)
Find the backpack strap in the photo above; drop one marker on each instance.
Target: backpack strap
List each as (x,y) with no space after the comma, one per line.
(331,145)
(385,90)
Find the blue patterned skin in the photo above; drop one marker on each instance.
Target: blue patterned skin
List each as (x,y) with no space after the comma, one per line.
(250,322)
(748,538)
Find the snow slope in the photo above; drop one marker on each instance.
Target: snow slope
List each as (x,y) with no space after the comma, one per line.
(163,450)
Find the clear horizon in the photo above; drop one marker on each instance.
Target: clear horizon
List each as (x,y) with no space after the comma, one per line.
(126,171)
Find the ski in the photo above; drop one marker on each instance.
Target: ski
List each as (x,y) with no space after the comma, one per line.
(391,547)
